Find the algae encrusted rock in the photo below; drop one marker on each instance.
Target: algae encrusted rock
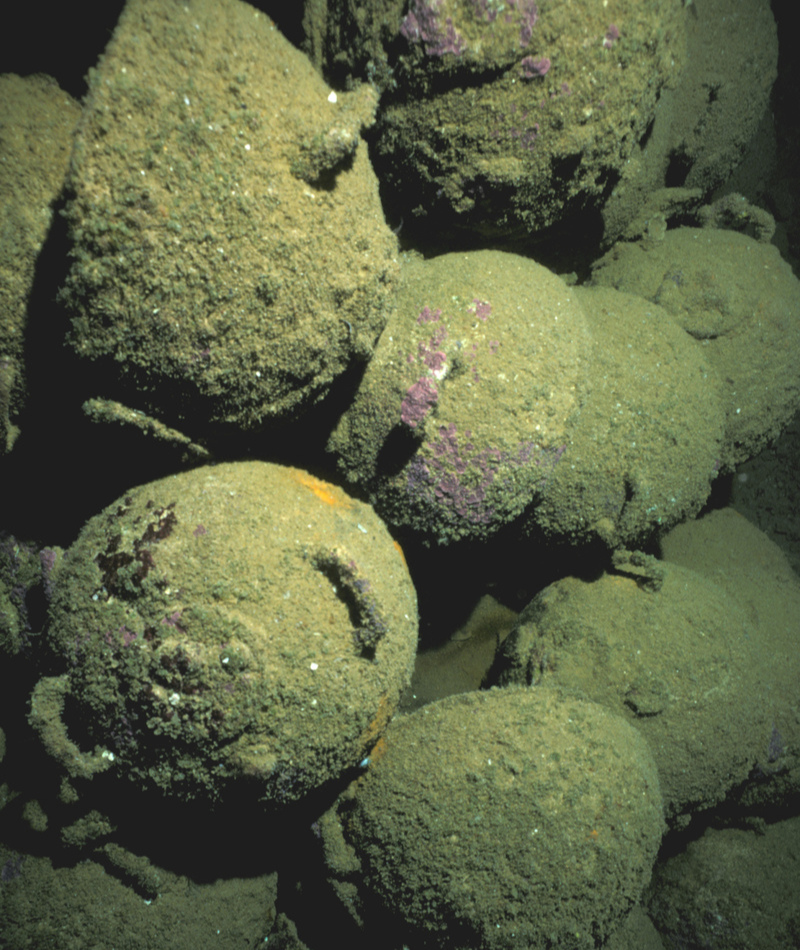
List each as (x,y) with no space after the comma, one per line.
(241,624)
(230,256)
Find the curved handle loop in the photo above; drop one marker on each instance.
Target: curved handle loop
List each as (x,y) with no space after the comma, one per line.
(46,717)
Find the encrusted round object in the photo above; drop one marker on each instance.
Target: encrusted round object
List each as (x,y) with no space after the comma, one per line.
(666,649)
(648,442)
(740,299)
(500,819)
(238,622)
(213,177)
(466,407)
(503,119)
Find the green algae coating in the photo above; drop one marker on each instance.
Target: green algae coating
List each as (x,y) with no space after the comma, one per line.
(240,621)
(210,283)
(740,299)
(465,409)
(648,441)
(681,662)
(37,120)
(54,903)
(468,143)
(509,818)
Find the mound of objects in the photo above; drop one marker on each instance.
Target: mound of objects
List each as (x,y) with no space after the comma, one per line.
(500,397)
(376,385)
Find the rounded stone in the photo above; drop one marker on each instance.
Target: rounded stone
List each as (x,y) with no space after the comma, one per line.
(504,119)
(739,299)
(669,651)
(243,621)
(465,409)
(650,437)
(213,178)
(503,819)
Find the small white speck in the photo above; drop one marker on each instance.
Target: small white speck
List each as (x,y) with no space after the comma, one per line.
(314,666)
(332,97)
(174,699)
(187,101)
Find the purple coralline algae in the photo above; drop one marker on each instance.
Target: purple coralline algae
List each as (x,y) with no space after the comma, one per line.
(611,37)
(456,476)
(523,12)
(482,309)
(529,14)
(428,23)
(423,24)
(533,67)
(422,394)
(418,400)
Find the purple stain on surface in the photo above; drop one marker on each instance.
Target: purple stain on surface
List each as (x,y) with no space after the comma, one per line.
(529,14)
(200,530)
(535,66)
(482,309)
(128,636)
(430,355)
(419,399)
(529,136)
(423,24)
(435,360)
(201,356)
(12,869)
(123,633)
(457,477)
(174,620)
(776,747)
(483,11)
(429,316)
(441,477)
(611,37)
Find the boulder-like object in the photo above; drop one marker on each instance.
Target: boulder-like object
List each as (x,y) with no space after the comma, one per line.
(648,442)
(668,650)
(508,818)
(503,119)
(230,257)
(741,301)
(241,624)
(37,122)
(465,410)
